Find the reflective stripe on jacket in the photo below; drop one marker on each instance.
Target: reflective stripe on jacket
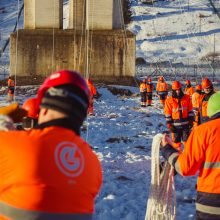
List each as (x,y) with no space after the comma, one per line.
(48,170)
(14,213)
(202,153)
(178,115)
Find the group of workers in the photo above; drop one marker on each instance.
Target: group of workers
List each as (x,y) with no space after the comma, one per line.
(47,170)
(201,151)
(183,109)
(146,91)
(193,117)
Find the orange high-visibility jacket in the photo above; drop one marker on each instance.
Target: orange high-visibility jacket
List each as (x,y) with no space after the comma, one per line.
(203,104)
(162,87)
(149,87)
(92,88)
(202,153)
(11,83)
(177,115)
(189,90)
(143,87)
(195,101)
(48,170)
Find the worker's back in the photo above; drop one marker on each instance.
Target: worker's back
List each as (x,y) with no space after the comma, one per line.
(48,170)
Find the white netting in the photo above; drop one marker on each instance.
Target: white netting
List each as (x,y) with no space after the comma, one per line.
(161,204)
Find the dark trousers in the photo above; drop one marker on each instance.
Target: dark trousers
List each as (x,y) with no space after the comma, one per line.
(143,96)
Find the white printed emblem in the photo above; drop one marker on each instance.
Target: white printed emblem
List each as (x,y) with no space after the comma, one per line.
(69,159)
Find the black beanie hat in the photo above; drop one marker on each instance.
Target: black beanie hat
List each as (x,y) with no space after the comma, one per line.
(67,99)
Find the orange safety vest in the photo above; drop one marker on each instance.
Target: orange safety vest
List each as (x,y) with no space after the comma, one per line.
(143,87)
(51,172)
(162,87)
(149,87)
(178,115)
(189,90)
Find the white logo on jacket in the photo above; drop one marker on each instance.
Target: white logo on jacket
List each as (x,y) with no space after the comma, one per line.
(69,159)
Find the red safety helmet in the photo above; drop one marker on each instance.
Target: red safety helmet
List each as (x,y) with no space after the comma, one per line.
(149,80)
(31,106)
(176,85)
(63,77)
(206,83)
(198,87)
(188,82)
(160,78)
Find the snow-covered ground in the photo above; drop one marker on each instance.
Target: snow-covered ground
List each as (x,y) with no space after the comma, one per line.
(121,134)
(175,31)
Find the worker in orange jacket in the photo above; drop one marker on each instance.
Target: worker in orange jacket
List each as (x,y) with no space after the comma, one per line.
(201,153)
(179,114)
(50,172)
(189,90)
(208,91)
(149,91)
(92,93)
(162,89)
(143,93)
(195,102)
(11,88)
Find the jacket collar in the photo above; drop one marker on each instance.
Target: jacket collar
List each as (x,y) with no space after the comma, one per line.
(215,116)
(68,123)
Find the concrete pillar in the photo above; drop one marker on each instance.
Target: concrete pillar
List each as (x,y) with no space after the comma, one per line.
(103,14)
(43,14)
(110,57)
(77,14)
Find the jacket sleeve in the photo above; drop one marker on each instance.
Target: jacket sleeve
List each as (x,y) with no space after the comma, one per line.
(168,111)
(193,156)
